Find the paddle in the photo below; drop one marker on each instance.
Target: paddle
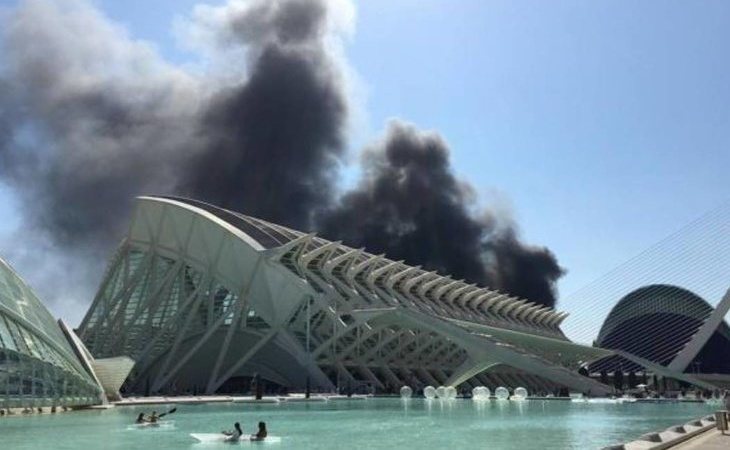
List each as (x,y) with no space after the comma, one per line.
(168,412)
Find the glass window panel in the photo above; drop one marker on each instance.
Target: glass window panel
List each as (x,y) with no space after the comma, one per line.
(7,337)
(29,342)
(19,341)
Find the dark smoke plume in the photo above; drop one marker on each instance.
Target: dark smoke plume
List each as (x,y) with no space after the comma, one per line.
(113,120)
(273,144)
(411,206)
(90,118)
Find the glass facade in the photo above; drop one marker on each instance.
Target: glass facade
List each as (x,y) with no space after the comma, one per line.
(38,367)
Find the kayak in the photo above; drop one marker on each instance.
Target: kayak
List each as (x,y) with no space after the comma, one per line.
(220,437)
(149,425)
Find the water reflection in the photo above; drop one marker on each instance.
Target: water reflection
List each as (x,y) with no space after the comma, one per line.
(406,402)
(521,405)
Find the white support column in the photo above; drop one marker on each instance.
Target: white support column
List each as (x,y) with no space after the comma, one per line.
(232,328)
(703,334)
(188,310)
(379,346)
(243,360)
(163,378)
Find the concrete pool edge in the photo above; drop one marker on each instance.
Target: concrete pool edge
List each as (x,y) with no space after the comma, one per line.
(668,438)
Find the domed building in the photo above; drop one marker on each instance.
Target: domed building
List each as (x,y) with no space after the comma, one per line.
(670,326)
(38,365)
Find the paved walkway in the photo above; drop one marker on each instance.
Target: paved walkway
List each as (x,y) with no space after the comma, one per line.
(711,440)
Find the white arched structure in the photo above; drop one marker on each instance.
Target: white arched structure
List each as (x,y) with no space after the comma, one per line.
(199,295)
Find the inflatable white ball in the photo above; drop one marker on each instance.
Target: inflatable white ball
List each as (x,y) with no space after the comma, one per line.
(451,393)
(520,393)
(480,393)
(501,393)
(429,392)
(406,392)
(441,392)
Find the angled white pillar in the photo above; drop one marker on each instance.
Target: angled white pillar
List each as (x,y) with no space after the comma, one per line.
(703,334)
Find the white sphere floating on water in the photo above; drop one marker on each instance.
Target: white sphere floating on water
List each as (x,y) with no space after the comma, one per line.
(451,393)
(520,393)
(441,392)
(501,393)
(429,392)
(480,393)
(406,392)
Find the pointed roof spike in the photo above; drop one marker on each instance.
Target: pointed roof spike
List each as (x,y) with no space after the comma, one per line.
(306,258)
(425,287)
(275,253)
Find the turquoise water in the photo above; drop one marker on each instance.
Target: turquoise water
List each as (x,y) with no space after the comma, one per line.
(373,424)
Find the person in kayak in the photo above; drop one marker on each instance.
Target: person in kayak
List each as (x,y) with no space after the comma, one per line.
(153,418)
(261,434)
(140,418)
(235,434)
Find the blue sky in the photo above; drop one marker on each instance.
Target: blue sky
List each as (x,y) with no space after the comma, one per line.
(605,125)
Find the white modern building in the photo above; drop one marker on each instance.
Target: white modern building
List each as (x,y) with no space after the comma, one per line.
(203,299)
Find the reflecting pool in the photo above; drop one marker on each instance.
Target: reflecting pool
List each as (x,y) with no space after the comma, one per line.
(373,423)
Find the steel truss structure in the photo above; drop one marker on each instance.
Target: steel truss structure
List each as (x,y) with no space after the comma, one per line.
(198,295)
(38,366)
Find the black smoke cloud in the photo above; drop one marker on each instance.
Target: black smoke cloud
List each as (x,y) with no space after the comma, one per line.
(90,118)
(411,206)
(114,121)
(274,143)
